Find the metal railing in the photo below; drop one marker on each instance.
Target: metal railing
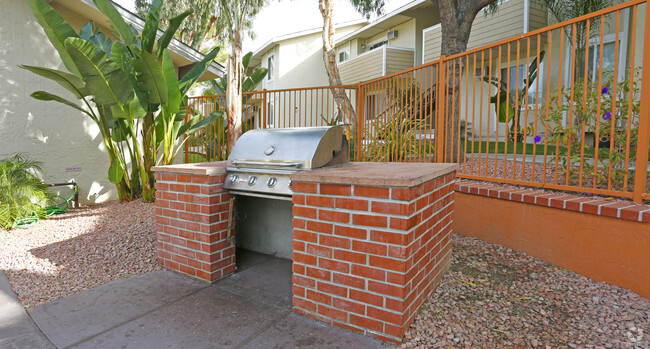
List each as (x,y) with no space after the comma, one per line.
(564,107)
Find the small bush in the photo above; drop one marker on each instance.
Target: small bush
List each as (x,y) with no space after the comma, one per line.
(22,193)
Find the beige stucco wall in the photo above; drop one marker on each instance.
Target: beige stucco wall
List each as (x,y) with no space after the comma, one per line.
(299,64)
(55,134)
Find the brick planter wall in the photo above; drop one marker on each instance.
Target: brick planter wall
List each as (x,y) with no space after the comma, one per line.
(192,220)
(602,239)
(370,243)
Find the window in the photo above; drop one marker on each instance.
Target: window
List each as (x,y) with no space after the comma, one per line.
(343,56)
(270,64)
(609,52)
(479,74)
(378,44)
(515,85)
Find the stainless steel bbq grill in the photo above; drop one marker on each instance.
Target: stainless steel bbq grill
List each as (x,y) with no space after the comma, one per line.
(262,160)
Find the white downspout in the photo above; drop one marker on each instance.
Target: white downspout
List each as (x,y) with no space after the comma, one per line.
(526,16)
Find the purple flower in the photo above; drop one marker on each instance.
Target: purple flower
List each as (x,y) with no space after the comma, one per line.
(607,116)
(605,90)
(538,139)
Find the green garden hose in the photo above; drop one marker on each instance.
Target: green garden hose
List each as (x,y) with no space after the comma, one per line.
(61,206)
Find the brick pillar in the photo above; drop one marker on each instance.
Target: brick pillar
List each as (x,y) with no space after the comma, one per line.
(370,243)
(192,220)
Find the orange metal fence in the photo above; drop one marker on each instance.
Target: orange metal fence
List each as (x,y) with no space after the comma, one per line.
(299,107)
(564,107)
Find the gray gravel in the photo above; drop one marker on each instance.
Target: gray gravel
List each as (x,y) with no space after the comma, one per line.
(79,250)
(494,297)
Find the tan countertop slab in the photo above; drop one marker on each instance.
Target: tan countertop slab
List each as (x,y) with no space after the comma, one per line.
(202,168)
(389,174)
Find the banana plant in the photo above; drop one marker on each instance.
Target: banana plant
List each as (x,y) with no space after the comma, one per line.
(129,90)
(504,107)
(215,148)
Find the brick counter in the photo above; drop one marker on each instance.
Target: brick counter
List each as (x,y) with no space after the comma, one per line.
(370,243)
(192,220)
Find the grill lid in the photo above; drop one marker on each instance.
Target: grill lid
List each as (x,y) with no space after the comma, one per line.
(292,149)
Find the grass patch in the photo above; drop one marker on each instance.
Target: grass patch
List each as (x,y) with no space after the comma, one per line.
(522,148)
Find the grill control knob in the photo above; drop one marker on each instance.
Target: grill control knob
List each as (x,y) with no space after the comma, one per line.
(272,182)
(233,178)
(252,180)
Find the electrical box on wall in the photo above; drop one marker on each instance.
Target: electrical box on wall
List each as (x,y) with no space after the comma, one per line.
(392,34)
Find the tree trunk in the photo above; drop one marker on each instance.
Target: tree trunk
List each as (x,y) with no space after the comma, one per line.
(456,17)
(234,91)
(346,110)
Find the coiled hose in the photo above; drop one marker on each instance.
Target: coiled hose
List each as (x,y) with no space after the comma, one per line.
(61,206)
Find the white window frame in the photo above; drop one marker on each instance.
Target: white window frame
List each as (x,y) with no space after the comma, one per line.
(270,65)
(609,38)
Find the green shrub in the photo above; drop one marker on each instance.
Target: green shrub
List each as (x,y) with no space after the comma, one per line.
(22,193)
(593,113)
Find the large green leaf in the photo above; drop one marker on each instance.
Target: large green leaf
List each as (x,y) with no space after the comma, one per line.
(150,78)
(46,96)
(115,173)
(197,71)
(219,85)
(252,81)
(135,108)
(194,124)
(151,26)
(120,130)
(168,35)
(108,84)
(56,29)
(246,60)
(68,81)
(123,30)
(505,111)
(174,92)
(90,32)
(122,56)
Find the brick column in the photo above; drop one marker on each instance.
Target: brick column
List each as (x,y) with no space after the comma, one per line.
(192,220)
(370,243)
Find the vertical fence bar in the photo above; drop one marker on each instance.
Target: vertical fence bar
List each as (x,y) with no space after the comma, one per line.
(630,102)
(264,108)
(360,118)
(440,104)
(643,143)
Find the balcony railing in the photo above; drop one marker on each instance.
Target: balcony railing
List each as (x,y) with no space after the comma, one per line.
(384,60)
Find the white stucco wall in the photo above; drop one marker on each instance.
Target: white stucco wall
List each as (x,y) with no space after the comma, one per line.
(54,134)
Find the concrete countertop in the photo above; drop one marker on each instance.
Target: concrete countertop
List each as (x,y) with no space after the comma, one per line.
(201,169)
(393,174)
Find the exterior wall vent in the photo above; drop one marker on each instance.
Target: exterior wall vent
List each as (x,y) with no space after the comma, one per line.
(392,34)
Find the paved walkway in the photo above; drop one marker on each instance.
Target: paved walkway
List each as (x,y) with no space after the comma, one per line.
(17,330)
(250,309)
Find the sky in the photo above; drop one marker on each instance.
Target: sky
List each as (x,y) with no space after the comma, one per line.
(288,16)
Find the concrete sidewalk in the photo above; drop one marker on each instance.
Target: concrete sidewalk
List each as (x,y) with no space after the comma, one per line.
(17,330)
(250,309)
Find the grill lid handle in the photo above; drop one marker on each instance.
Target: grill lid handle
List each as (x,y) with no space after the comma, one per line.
(265,163)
